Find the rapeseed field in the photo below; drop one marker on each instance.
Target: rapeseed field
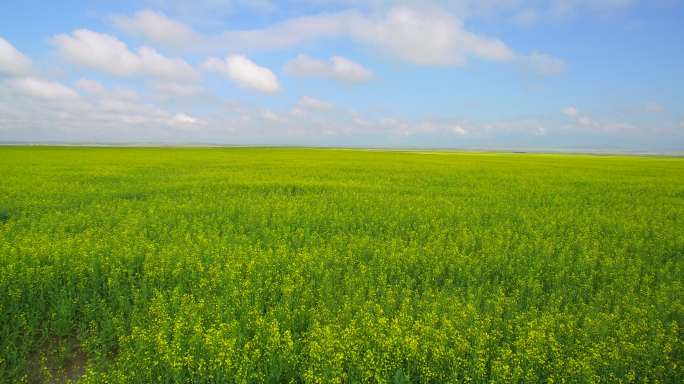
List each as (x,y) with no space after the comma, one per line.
(292,265)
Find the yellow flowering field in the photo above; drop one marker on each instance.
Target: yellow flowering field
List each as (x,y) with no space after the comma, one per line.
(292,265)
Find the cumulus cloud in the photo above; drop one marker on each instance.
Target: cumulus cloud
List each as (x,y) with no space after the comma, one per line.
(430,37)
(336,68)
(42,89)
(39,110)
(314,111)
(418,34)
(570,112)
(244,72)
(108,54)
(584,122)
(168,89)
(517,126)
(273,117)
(118,115)
(426,36)
(156,27)
(110,97)
(459,130)
(211,11)
(90,86)
(280,35)
(311,103)
(186,121)
(580,119)
(12,62)
(543,64)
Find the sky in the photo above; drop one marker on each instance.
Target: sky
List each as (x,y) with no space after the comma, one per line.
(487,74)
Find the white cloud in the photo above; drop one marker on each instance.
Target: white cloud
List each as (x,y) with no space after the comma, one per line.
(288,33)
(119,115)
(185,120)
(570,112)
(42,89)
(307,102)
(118,101)
(459,130)
(311,108)
(12,62)
(543,64)
(90,86)
(244,72)
(201,10)
(337,68)
(156,27)
(107,53)
(99,51)
(425,36)
(360,120)
(53,112)
(273,117)
(581,121)
(431,37)
(152,63)
(211,11)
(170,89)
(523,126)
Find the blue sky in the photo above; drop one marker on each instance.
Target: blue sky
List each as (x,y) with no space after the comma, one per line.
(556,74)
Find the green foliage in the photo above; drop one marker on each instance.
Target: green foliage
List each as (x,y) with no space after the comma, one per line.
(333,266)
(4,216)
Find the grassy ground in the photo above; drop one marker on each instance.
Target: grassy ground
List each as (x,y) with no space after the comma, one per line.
(276,265)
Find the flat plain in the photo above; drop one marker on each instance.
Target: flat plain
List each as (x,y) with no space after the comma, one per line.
(139,265)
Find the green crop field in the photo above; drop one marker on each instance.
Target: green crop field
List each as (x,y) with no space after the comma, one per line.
(249,265)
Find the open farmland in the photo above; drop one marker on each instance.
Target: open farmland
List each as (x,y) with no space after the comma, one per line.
(138,265)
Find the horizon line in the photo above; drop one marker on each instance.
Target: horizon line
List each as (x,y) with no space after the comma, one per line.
(481,149)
